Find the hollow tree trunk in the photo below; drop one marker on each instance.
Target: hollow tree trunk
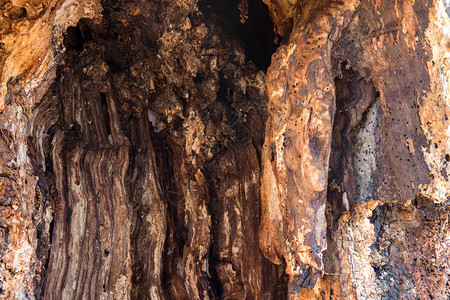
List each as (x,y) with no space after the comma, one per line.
(196,150)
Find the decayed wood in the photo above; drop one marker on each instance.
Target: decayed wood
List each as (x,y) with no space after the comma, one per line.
(150,228)
(380,64)
(236,176)
(297,147)
(132,220)
(91,241)
(137,160)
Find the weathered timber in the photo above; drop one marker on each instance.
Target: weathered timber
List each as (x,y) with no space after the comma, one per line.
(224,149)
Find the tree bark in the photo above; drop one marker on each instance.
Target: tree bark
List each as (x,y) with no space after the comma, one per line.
(224,149)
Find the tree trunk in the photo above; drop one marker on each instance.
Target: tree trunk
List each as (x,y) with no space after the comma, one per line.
(224,149)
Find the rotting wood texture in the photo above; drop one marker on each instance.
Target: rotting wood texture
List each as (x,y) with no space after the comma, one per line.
(374,63)
(297,147)
(147,152)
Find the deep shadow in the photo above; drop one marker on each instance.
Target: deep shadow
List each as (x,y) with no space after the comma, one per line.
(256,35)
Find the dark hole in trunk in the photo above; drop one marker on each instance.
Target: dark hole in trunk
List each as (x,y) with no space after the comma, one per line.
(78,35)
(255,33)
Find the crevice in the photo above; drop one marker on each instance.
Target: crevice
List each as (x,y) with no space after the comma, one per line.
(43,278)
(105,112)
(176,233)
(214,259)
(355,97)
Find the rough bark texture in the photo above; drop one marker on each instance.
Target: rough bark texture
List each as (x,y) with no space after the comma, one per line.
(149,151)
(377,68)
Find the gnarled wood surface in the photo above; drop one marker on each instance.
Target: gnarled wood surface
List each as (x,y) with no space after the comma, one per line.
(148,153)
